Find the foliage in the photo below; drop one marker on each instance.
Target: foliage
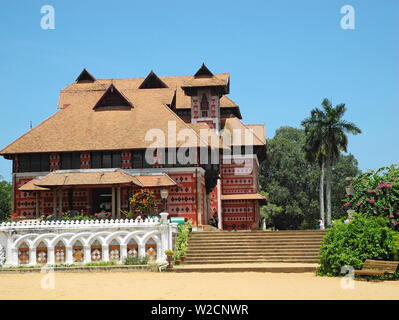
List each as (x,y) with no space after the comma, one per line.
(292,183)
(136,261)
(143,202)
(101,264)
(5,199)
(354,242)
(376,193)
(169,252)
(181,241)
(68,215)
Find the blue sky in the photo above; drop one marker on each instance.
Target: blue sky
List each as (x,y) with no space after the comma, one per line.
(283,56)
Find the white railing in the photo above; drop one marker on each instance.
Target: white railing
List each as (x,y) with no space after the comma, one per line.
(72,242)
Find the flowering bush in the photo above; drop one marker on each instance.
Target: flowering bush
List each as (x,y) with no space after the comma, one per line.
(376,193)
(103,215)
(143,202)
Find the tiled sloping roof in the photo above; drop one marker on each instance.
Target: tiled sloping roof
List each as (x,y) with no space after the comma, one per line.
(58,178)
(31,186)
(159,180)
(203,130)
(173,82)
(259,131)
(234,124)
(78,127)
(243,196)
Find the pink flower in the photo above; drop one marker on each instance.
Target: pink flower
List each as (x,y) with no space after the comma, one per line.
(346,204)
(359,203)
(388,185)
(372,200)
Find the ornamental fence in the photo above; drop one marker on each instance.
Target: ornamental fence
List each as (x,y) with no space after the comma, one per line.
(36,242)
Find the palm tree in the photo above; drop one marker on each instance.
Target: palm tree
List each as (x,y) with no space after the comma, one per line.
(325,137)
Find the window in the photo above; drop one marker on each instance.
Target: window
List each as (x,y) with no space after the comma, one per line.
(138,160)
(70,160)
(107,159)
(36,162)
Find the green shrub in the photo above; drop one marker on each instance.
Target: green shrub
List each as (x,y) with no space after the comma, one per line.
(396,247)
(181,241)
(136,261)
(101,264)
(354,242)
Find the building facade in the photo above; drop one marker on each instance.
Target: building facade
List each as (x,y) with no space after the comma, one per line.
(113,137)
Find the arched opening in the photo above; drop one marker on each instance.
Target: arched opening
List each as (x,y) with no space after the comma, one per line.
(114,251)
(132,248)
(96,251)
(41,253)
(77,252)
(23,253)
(151,250)
(59,252)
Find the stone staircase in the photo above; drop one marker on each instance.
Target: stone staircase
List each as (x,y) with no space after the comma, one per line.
(255,246)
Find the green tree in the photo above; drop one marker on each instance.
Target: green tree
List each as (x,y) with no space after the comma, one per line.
(5,199)
(291,182)
(325,138)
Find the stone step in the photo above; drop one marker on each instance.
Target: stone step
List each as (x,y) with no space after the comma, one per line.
(249,267)
(250,241)
(275,260)
(241,247)
(248,252)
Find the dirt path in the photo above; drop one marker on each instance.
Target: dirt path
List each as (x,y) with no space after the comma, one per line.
(147,285)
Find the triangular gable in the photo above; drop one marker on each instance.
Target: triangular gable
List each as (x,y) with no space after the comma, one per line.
(113,98)
(152,81)
(85,76)
(203,72)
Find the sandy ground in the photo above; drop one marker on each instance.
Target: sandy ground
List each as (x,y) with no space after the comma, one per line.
(147,285)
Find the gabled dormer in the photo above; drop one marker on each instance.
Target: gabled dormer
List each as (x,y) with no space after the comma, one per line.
(85,77)
(205,90)
(113,99)
(203,72)
(152,81)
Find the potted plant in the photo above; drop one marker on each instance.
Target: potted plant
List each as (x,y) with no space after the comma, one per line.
(190,225)
(177,257)
(169,256)
(183,252)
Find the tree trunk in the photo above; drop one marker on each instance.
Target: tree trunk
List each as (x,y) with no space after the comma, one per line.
(321,190)
(328,190)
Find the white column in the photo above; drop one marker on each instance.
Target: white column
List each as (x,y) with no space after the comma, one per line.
(32,256)
(68,255)
(141,250)
(87,254)
(50,255)
(118,202)
(123,252)
(105,253)
(10,251)
(219,195)
(113,203)
(14,256)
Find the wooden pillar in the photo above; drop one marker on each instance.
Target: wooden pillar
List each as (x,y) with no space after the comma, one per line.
(55,201)
(37,203)
(118,202)
(60,202)
(113,203)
